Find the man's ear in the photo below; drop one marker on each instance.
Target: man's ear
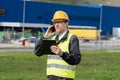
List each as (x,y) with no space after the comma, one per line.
(67,24)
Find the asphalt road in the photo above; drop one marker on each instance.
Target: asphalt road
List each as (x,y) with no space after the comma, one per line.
(16,50)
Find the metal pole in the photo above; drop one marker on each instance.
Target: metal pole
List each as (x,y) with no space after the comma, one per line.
(24,6)
(100,26)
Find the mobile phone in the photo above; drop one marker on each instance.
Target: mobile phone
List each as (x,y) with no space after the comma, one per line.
(53,28)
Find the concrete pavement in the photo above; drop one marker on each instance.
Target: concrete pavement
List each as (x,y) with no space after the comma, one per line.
(16,45)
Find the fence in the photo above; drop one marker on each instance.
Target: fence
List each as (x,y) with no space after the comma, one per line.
(6,37)
(98,45)
(90,45)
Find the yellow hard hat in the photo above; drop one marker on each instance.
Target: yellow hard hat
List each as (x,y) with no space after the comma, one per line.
(60,15)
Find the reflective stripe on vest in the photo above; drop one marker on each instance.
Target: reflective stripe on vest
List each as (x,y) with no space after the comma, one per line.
(57,66)
(54,57)
(61,66)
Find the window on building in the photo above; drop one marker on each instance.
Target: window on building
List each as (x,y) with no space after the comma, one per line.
(2,11)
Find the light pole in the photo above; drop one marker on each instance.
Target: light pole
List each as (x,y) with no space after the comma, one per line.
(23,26)
(100,26)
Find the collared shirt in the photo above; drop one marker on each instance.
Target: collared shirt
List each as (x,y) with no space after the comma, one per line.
(62,35)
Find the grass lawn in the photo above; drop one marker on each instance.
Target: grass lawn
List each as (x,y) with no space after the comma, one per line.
(95,65)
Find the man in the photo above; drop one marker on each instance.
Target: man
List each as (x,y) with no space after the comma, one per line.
(61,66)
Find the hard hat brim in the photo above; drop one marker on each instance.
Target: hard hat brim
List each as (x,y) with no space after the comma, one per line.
(55,20)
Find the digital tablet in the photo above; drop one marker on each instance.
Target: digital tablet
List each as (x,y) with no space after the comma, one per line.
(47,43)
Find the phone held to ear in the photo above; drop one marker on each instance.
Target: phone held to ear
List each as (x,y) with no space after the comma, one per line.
(53,28)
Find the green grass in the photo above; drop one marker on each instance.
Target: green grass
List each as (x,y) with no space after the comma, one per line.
(99,65)
(21,66)
(95,65)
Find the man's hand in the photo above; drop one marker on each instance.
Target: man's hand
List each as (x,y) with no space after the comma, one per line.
(56,50)
(49,32)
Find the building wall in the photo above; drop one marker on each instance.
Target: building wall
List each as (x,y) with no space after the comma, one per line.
(39,12)
(13,10)
(110,19)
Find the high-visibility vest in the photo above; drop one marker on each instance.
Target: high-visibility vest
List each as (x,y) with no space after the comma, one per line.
(57,66)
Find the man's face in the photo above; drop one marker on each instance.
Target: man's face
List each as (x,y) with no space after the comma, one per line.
(60,26)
